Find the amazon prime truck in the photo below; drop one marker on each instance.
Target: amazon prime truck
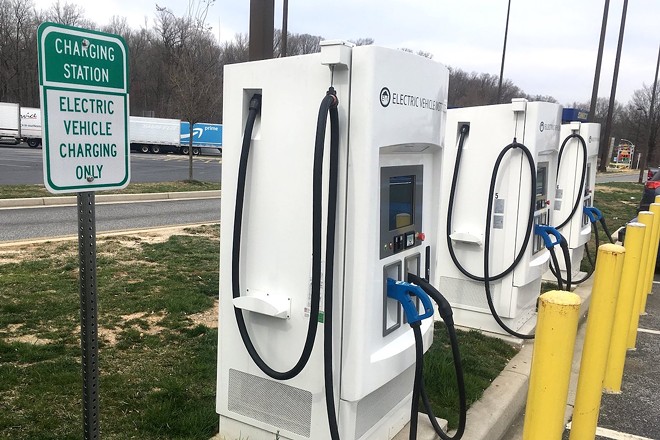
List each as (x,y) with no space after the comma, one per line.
(31,126)
(10,122)
(204,135)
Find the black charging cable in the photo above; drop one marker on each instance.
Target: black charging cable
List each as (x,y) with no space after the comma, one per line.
(446,313)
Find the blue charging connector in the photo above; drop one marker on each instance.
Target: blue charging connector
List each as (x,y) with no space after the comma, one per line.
(592,213)
(545,232)
(404,293)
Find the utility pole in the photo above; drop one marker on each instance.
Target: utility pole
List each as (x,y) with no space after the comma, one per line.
(599,62)
(506,33)
(285,26)
(604,159)
(651,138)
(262,24)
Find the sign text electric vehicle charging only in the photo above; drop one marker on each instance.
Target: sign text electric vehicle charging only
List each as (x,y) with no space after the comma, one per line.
(84,95)
(83,79)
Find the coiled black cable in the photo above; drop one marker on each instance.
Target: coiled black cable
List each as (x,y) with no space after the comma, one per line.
(578,198)
(450,210)
(489,207)
(254,109)
(592,262)
(487,278)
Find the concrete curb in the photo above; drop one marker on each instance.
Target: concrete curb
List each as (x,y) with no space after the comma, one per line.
(108,198)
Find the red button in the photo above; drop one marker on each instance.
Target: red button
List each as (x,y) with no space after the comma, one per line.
(421,236)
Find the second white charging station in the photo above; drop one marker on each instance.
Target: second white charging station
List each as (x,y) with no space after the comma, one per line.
(489,130)
(391,115)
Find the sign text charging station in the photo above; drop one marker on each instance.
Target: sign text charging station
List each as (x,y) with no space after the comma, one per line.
(83,79)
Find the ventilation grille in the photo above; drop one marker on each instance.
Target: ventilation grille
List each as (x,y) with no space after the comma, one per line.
(279,405)
(465,292)
(377,404)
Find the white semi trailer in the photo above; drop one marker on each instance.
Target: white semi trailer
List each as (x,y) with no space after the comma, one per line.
(154,135)
(10,122)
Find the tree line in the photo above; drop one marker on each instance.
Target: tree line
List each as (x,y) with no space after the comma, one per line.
(176,65)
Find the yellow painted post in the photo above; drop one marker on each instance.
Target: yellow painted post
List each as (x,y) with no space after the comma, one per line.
(624,306)
(653,255)
(646,218)
(657,200)
(556,328)
(597,341)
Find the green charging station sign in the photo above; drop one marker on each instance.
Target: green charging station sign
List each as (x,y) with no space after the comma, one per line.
(83,78)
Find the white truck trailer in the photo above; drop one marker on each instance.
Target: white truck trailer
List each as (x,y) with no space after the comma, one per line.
(154,135)
(10,122)
(31,126)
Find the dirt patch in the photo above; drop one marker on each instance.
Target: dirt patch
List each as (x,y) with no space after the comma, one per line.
(208,318)
(143,322)
(12,328)
(29,339)
(15,255)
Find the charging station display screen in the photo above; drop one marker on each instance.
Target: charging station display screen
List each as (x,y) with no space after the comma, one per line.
(402,201)
(541,180)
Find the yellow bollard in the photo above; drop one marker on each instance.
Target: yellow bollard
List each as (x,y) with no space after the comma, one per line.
(556,328)
(597,341)
(627,289)
(646,218)
(653,255)
(657,200)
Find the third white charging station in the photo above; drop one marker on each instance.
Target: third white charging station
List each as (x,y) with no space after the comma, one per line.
(483,132)
(570,181)
(390,117)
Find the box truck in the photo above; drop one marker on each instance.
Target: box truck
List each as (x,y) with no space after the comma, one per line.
(31,126)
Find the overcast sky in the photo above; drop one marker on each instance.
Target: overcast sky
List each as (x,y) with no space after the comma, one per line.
(551,49)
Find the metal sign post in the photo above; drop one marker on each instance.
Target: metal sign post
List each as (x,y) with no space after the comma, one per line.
(83,79)
(88,313)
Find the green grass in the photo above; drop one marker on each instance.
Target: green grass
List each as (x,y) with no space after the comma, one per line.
(158,366)
(618,201)
(483,359)
(25,191)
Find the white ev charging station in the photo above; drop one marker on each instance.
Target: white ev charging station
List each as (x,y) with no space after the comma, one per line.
(490,129)
(576,179)
(390,115)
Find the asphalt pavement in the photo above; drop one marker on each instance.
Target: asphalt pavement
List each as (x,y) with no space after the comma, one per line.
(635,413)
(38,222)
(21,165)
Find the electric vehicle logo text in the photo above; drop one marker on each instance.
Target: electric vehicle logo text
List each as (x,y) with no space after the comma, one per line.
(543,127)
(385,96)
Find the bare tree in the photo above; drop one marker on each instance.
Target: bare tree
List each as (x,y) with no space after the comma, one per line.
(68,14)
(194,73)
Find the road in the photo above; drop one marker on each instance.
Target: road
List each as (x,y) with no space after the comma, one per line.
(47,222)
(617,177)
(20,164)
